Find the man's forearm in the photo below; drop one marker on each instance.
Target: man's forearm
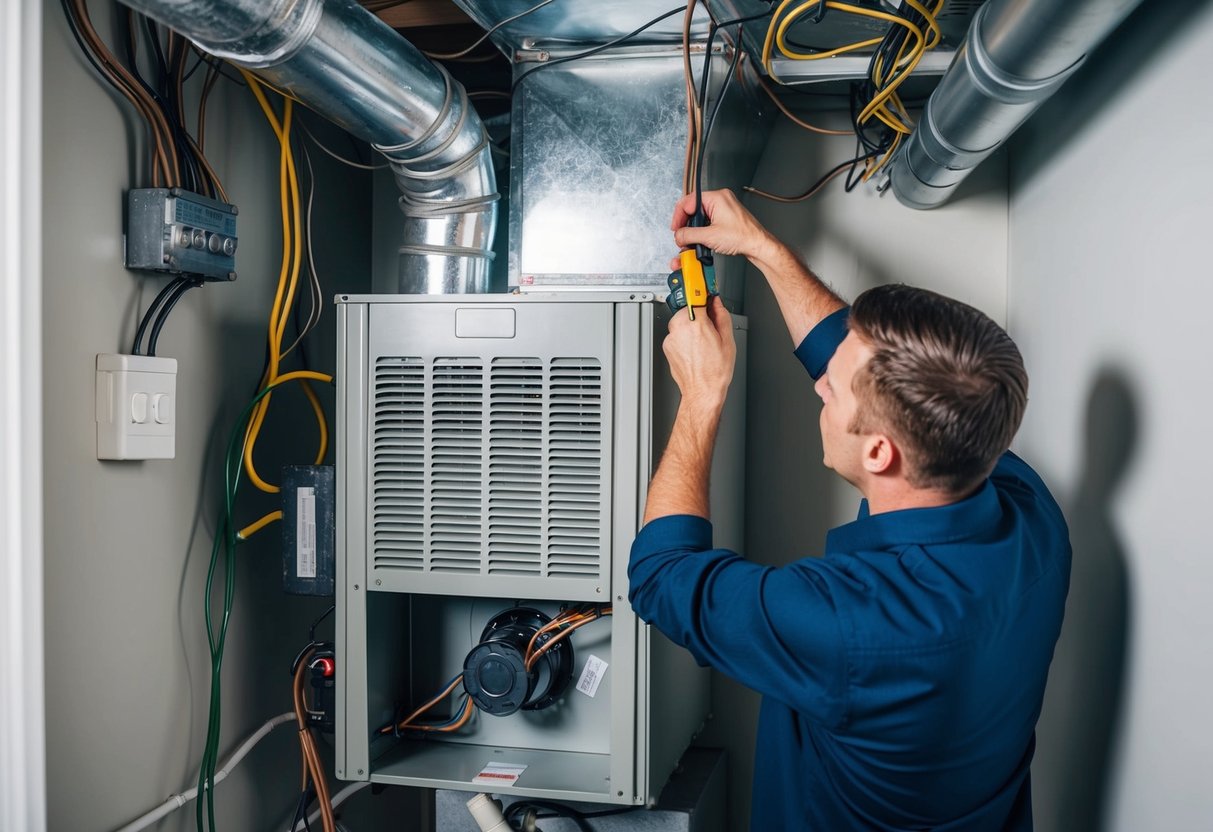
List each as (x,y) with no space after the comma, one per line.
(803,299)
(681,483)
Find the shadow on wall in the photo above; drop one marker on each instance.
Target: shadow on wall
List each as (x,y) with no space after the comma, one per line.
(1079,724)
(1139,41)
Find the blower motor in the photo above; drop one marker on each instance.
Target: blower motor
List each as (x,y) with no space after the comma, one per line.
(495,673)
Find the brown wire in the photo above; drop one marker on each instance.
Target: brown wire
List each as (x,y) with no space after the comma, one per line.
(802,197)
(122,80)
(573,622)
(208,83)
(464,716)
(313,767)
(405,722)
(799,122)
(693,115)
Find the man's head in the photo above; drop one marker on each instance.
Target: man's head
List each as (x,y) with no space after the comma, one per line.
(932,390)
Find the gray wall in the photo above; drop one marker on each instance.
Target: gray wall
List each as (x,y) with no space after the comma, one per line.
(127,543)
(853,241)
(1109,298)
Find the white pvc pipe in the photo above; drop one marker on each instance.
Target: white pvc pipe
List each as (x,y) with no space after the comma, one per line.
(178,800)
(487,814)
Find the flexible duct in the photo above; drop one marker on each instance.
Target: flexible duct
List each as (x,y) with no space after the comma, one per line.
(347,65)
(1015,55)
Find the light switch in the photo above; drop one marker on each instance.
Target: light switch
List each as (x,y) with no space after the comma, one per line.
(139,408)
(162,409)
(135,407)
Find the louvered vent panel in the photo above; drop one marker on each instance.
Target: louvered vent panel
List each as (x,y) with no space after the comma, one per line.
(456,463)
(574,466)
(489,467)
(398,464)
(515,544)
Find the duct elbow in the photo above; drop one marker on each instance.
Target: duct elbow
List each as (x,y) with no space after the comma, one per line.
(352,68)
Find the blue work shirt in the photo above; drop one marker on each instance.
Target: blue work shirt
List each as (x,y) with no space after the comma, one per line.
(902,671)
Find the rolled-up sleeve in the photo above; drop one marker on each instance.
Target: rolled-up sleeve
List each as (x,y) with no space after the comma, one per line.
(773,630)
(818,347)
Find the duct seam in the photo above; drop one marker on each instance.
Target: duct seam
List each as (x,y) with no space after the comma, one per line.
(423,249)
(999,85)
(417,204)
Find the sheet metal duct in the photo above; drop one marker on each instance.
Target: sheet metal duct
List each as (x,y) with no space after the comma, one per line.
(597,144)
(1015,55)
(355,70)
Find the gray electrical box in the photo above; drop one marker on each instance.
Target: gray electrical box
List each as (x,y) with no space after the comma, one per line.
(493,456)
(179,232)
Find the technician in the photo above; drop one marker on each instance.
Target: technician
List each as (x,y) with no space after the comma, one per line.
(902,671)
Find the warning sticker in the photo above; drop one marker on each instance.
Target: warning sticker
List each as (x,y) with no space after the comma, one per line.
(305,533)
(591,675)
(499,774)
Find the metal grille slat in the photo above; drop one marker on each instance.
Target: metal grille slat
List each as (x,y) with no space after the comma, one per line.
(574,467)
(488,466)
(398,479)
(456,462)
(515,467)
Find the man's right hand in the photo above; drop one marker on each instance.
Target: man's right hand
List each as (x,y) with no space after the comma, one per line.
(803,299)
(731,229)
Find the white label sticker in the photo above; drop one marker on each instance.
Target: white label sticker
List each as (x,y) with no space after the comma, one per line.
(499,774)
(305,533)
(591,675)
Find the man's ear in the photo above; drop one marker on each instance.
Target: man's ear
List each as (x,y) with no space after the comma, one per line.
(880,454)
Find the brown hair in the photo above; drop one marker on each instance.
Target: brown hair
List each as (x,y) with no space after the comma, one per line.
(946,382)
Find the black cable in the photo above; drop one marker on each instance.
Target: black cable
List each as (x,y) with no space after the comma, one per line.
(169,303)
(852,180)
(699,218)
(199,61)
(160,93)
(311,632)
(517,811)
(301,816)
(151,311)
(596,49)
(707,128)
(812,189)
(88,53)
(707,57)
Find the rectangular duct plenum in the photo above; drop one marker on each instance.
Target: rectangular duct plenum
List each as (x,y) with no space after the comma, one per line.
(597,152)
(489,458)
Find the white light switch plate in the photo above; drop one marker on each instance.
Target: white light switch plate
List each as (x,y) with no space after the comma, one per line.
(136,407)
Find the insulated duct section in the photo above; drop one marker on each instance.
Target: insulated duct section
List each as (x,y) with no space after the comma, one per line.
(1015,55)
(346,64)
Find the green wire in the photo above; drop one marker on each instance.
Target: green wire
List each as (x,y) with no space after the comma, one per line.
(225,537)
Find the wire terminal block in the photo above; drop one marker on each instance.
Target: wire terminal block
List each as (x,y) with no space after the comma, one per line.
(175,231)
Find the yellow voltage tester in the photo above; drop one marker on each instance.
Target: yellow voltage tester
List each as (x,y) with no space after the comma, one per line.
(693,284)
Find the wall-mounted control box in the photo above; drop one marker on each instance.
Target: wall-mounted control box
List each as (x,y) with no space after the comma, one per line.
(136,407)
(175,231)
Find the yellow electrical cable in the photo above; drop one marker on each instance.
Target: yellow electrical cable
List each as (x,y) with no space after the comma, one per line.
(252,528)
(885,106)
(288,282)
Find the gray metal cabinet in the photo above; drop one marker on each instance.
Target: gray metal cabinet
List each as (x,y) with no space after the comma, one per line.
(493,451)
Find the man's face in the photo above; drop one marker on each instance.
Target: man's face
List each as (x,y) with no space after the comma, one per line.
(842,449)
